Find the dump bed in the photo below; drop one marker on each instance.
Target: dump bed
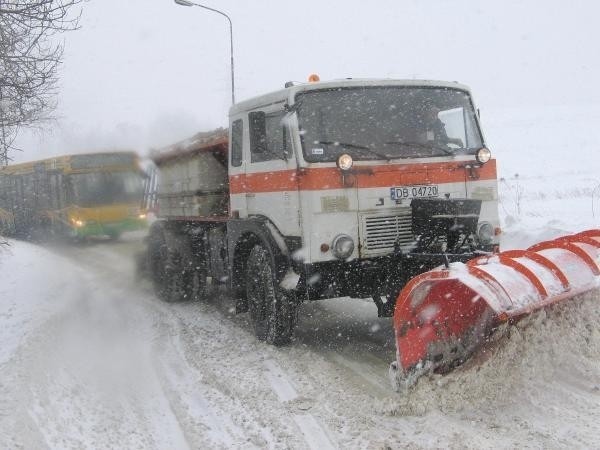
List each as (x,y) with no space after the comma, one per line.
(193,180)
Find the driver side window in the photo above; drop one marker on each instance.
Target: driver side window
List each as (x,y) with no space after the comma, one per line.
(269,139)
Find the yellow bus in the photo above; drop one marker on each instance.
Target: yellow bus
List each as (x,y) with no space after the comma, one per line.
(96,194)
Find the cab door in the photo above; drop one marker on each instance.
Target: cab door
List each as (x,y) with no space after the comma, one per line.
(238,138)
(271,181)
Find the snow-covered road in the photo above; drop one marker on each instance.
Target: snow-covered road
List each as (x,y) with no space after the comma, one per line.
(91,359)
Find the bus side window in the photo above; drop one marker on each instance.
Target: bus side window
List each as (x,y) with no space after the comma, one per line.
(237,139)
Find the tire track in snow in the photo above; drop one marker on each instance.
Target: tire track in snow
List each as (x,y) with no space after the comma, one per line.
(184,383)
(279,382)
(87,381)
(370,370)
(247,416)
(214,319)
(314,435)
(232,384)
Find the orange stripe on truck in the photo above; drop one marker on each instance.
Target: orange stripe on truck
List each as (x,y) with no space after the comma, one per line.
(323,178)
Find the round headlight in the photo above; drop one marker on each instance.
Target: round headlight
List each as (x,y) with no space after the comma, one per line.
(483,155)
(345,162)
(485,232)
(77,222)
(342,246)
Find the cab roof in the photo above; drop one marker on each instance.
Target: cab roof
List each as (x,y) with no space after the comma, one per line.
(290,92)
(58,162)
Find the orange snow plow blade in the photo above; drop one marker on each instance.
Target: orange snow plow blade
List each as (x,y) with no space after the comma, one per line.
(443,316)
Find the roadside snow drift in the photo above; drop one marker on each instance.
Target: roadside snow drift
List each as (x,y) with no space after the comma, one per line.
(34,284)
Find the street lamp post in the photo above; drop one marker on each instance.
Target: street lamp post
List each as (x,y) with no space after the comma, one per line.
(188,3)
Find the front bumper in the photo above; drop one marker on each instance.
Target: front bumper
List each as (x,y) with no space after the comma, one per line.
(110,228)
(366,277)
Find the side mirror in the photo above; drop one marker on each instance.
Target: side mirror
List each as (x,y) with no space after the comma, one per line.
(258,134)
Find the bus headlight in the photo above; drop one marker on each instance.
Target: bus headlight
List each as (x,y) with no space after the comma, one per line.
(485,232)
(483,155)
(77,222)
(141,216)
(342,246)
(344,162)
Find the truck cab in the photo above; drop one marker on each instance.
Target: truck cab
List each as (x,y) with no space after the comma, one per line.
(334,167)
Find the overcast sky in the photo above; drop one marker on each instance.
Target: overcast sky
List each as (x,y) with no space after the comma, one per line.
(144,73)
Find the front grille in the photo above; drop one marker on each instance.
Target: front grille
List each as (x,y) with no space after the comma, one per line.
(380,232)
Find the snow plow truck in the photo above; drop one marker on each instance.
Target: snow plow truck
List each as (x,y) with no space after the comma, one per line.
(379,189)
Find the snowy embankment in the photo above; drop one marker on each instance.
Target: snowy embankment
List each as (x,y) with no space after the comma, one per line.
(542,378)
(548,161)
(34,286)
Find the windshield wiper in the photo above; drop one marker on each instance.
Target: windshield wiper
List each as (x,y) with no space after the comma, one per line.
(421,145)
(355,146)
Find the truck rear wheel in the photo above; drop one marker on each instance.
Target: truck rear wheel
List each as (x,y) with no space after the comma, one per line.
(273,310)
(194,281)
(177,274)
(157,251)
(166,270)
(170,287)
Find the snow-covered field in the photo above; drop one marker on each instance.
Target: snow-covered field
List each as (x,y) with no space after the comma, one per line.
(89,358)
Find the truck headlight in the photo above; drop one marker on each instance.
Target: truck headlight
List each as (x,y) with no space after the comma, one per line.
(342,246)
(483,155)
(344,162)
(485,232)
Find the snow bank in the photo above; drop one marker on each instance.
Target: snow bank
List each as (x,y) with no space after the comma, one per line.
(34,284)
(538,208)
(546,368)
(547,161)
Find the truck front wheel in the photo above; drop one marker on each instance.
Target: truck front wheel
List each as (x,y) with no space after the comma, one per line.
(273,310)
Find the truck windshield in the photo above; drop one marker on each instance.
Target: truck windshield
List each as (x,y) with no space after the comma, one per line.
(386,123)
(106,188)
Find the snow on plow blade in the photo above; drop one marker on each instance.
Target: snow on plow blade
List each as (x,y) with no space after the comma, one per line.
(443,316)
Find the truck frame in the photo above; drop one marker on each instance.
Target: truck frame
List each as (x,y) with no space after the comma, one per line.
(323,190)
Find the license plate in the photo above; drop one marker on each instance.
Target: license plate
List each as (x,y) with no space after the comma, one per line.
(425,191)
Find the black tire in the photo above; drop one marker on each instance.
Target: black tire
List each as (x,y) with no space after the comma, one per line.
(165,270)
(175,278)
(157,247)
(177,273)
(193,275)
(273,310)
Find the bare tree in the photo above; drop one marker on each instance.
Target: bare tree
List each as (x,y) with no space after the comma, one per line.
(30,54)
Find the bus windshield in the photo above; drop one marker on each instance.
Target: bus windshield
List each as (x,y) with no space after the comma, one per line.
(107,188)
(386,123)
